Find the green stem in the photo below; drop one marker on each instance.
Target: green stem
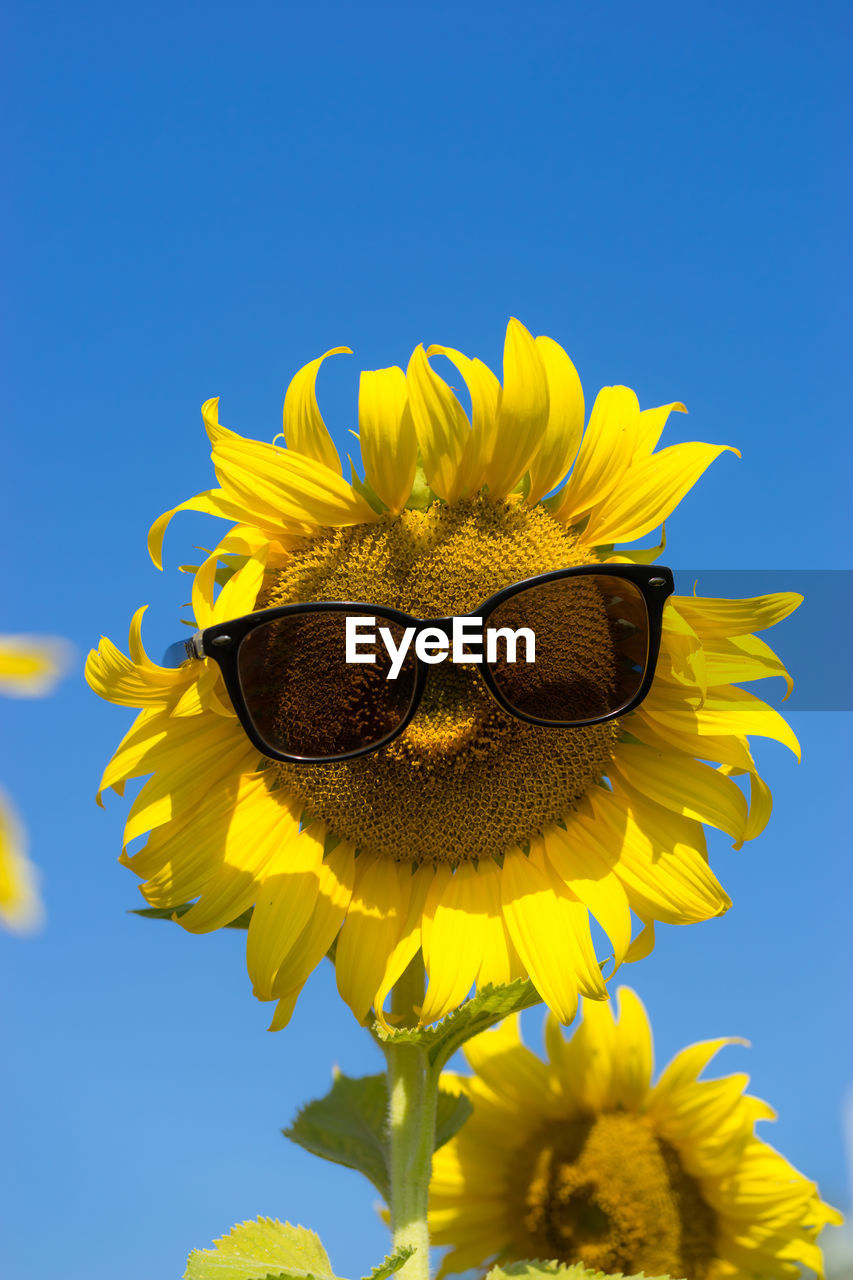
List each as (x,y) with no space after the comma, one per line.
(413,1095)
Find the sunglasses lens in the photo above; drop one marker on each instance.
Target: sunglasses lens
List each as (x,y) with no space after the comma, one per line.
(306,700)
(591,648)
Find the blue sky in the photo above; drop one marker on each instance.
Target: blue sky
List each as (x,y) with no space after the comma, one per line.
(203,198)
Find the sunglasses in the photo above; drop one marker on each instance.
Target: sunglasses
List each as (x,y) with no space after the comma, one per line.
(311,683)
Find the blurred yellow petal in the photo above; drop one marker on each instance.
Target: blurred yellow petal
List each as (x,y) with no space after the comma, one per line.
(20,904)
(31,666)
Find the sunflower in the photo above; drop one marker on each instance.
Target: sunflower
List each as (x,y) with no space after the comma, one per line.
(29,668)
(581,1158)
(485,842)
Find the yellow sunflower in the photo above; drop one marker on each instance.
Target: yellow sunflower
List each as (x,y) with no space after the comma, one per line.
(29,668)
(483,841)
(581,1158)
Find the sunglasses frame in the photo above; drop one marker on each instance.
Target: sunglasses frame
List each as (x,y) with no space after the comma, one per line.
(221,643)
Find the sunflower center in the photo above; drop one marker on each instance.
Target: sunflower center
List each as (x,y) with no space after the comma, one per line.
(606,1191)
(465,780)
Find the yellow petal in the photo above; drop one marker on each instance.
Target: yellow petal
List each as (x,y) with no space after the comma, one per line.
(484,389)
(406,947)
(522,413)
(657,856)
(453,940)
(681,784)
(501,962)
(632,1063)
(742,658)
(304,429)
(591,878)
(275,488)
(734,712)
(649,491)
(714,617)
(251,838)
(20,905)
(503,1063)
(284,903)
(135,683)
(333,896)
(547,928)
(587,1058)
(564,427)
(189,762)
(375,919)
(685,1067)
(652,423)
(30,666)
(212,502)
(389,445)
(605,454)
(441,425)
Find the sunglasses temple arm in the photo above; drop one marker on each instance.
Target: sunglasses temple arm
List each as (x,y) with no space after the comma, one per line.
(181,650)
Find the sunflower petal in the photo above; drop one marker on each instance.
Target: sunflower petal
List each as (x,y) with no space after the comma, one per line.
(633,1058)
(441,425)
(590,877)
(406,947)
(251,841)
(652,423)
(453,940)
(20,905)
(389,444)
(30,666)
(564,428)
(522,414)
(304,429)
(546,924)
(484,389)
(284,902)
(276,488)
(681,784)
(648,491)
(606,451)
(375,919)
(213,502)
(334,892)
(715,617)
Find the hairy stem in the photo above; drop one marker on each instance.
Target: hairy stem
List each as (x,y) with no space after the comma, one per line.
(413,1095)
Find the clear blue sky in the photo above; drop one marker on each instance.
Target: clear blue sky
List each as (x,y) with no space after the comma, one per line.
(204,197)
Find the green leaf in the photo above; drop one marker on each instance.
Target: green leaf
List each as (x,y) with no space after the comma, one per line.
(392,1263)
(451,1113)
(489,1006)
(169,913)
(349,1127)
(535,1270)
(262,1250)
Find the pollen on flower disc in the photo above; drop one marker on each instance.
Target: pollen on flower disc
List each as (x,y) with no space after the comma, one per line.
(465,780)
(607,1189)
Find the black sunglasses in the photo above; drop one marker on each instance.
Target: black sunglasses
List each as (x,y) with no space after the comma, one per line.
(308,688)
